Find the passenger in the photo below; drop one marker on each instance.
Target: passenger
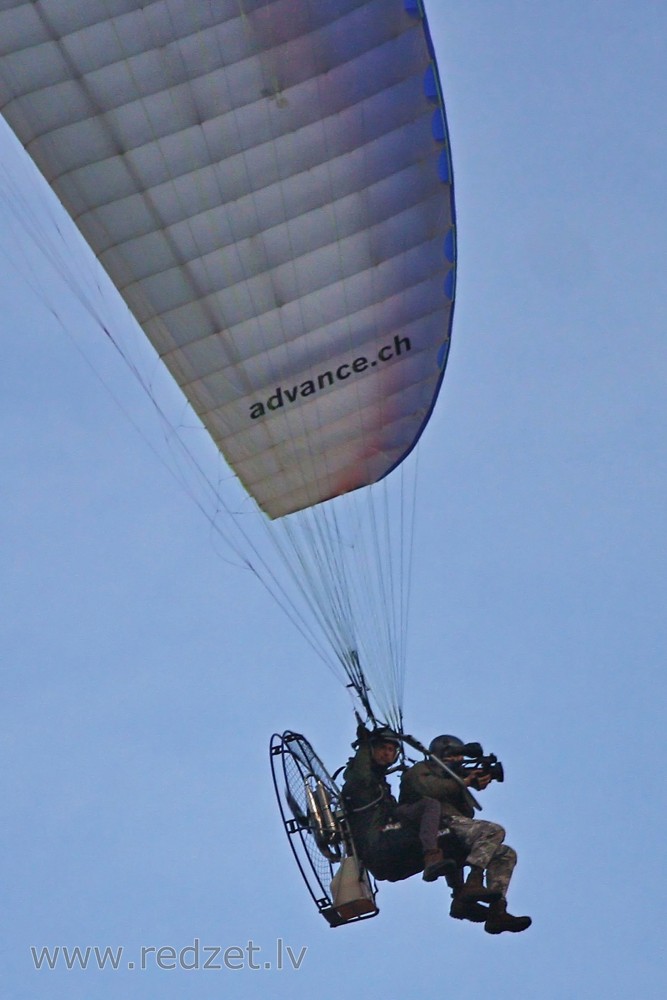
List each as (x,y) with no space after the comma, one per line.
(481,840)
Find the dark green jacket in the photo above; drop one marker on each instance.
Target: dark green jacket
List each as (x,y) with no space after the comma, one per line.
(368,799)
(427,780)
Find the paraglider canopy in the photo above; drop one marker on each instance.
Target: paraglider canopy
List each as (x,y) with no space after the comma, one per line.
(269,186)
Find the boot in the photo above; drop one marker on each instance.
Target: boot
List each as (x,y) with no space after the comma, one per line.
(475,912)
(436,865)
(500,920)
(474,890)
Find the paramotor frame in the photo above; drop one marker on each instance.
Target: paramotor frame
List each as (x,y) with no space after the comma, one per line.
(314,819)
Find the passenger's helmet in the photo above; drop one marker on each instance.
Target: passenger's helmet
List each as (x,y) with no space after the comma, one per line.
(445,746)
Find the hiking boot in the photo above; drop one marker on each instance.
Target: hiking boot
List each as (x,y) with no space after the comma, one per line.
(475,912)
(436,865)
(500,920)
(474,890)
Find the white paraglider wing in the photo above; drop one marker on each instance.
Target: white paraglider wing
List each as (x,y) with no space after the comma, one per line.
(268,184)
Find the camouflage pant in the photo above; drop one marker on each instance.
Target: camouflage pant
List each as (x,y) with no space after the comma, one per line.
(484,843)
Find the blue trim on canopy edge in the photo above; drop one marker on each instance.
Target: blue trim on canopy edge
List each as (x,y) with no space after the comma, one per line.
(416,9)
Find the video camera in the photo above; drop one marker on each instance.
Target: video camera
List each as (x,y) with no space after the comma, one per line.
(477,760)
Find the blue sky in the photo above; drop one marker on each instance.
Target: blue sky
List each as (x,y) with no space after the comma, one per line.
(143,675)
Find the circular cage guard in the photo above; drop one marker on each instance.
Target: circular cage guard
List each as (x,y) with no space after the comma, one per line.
(313,817)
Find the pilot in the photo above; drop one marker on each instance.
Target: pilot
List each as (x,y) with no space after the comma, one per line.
(395,841)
